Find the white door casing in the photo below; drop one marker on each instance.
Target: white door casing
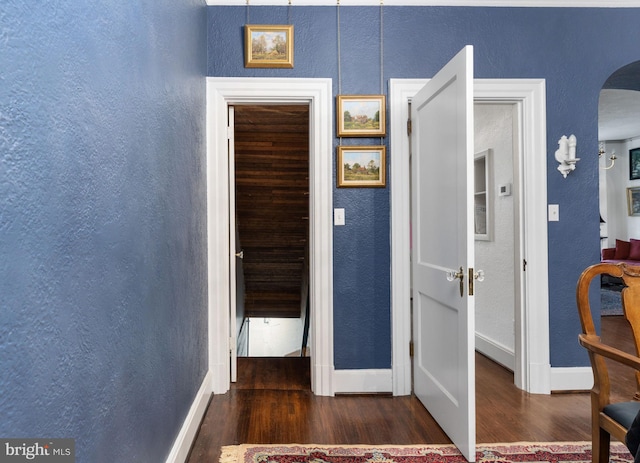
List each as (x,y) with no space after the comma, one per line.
(528,93)
(317,93)
(532,371)
(233,245)
(442,180)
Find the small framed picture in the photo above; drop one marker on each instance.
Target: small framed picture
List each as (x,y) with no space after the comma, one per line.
(267,46)
(361,115)
(633,200)
(361,166)
(634,164)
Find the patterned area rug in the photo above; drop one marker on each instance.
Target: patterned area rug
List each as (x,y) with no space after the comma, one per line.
(611,303)
(557,452)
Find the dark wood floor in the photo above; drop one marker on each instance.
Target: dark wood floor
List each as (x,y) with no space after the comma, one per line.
(272,403)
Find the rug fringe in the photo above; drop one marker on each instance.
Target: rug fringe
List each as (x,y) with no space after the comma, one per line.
(231,453)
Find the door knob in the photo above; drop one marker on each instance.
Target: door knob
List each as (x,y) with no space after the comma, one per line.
(240,254)
(473,275)
(451,276)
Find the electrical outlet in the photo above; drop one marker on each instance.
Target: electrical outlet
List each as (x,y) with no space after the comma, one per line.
(554,213)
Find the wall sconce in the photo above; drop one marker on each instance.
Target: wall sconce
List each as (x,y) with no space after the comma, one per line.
(566,155)
(612,158)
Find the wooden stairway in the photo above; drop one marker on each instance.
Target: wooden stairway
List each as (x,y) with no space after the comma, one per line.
(272,205)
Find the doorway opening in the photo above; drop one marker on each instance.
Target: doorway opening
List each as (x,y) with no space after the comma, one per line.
(532,370)
(316,93)
(271,164)
(497,231)
(619,175)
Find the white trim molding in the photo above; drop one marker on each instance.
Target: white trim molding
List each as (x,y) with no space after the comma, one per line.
(186,436)
(531,372)
(362,381)
(317,93)
(531,363)
(571,379)
(496,351)
(473,3)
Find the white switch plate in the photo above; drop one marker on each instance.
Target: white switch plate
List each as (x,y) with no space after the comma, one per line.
(554,213)
(338,216)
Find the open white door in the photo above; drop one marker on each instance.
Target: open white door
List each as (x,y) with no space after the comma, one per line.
(443,250)
(235,253)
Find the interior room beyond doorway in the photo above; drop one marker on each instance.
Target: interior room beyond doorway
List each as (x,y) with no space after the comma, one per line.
(271,145)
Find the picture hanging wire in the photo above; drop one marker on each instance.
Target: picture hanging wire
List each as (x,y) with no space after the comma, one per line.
(288,12)
(338,28)
(381,47)
(339,47)
(339,68)
(381,52)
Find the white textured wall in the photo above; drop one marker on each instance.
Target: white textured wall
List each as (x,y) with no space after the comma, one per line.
(613,194)
(495,296)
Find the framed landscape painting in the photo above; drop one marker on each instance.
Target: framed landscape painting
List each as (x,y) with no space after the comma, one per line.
(268,46)
(634,164)
(361,166)
(633,201)
(361,115)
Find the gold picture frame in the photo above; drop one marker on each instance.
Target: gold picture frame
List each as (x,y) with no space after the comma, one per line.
(362,166)
(361,115)
(268,46)
(633,201)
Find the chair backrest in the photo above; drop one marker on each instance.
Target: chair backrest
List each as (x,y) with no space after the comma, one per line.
(630,298)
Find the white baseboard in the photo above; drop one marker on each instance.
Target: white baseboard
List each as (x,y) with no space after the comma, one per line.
(362,381)
(495,351)
(187,434)
(571,379)
(539,379)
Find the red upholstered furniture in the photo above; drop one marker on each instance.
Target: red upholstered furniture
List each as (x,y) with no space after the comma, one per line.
(625,251)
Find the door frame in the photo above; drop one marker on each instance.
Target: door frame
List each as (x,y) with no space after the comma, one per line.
(317,93)
(532,364)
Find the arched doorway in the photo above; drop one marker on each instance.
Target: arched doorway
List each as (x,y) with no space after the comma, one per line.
(618,133)
(619,140)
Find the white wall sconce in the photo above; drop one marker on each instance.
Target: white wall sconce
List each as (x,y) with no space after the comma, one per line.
(566,155)
(603,152)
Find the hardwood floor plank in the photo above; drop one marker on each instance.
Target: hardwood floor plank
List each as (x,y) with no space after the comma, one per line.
(272,403)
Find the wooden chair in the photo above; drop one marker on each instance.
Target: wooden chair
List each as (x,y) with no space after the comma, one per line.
(609,418)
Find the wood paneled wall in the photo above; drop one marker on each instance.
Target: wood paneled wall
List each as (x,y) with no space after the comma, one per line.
(272,205)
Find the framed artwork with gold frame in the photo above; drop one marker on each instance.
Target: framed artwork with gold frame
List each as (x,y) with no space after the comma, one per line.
(268,46)
(633,201)
(361,166)
(361,115)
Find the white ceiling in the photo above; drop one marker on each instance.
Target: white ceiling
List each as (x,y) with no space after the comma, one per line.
(618,114)
(503,3)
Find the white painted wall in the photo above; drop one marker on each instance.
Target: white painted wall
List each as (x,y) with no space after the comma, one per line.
(613,194)
(495,296)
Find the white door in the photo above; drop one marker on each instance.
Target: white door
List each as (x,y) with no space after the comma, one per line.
(233,246)
(442,248)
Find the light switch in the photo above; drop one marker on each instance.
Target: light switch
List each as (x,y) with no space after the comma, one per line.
(554,212)
(338,216)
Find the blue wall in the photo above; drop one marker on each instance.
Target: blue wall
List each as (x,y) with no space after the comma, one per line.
(575,50)
(102,223)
